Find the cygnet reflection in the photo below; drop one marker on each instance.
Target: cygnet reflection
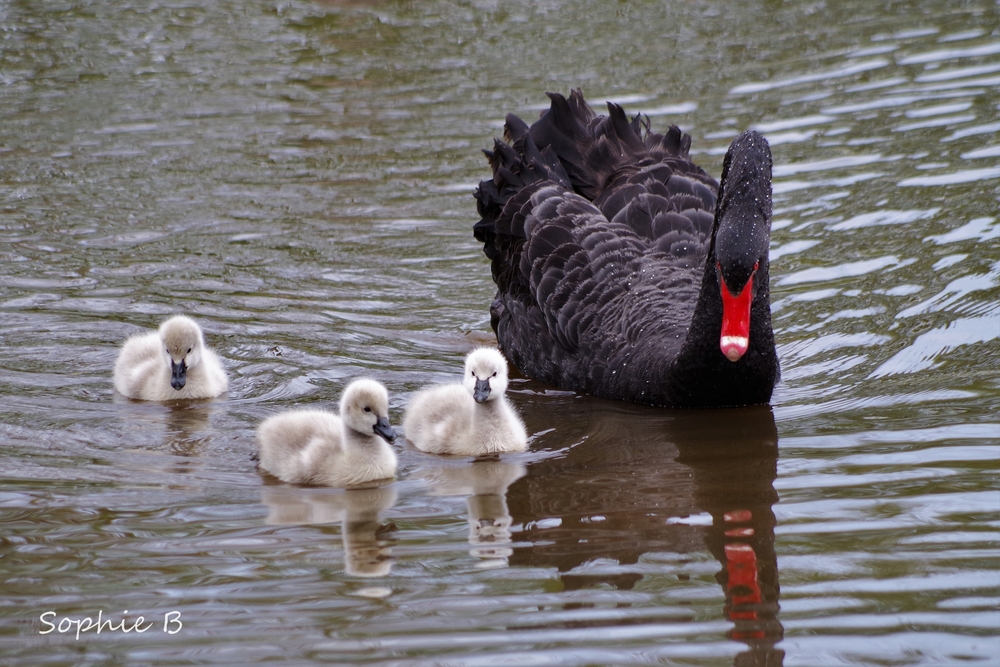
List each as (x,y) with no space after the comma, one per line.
(183,425)
(367,550)
(484,483)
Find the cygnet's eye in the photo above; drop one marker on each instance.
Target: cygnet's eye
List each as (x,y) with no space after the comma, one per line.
(367,409)
(189,352)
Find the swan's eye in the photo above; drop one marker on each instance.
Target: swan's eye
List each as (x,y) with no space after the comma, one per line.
(367,409)
(494,373)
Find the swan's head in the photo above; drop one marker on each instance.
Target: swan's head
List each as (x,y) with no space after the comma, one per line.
(743,221)
(485,374)
(364,407)
(182,343)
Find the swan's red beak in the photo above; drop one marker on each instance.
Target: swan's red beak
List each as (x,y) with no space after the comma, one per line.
(735,336)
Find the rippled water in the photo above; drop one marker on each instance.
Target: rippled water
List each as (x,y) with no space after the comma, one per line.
(298,176)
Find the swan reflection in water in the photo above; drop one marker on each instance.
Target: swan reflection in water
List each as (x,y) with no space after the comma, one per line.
(643,480)
(367,547)
(185,423)
(484,482)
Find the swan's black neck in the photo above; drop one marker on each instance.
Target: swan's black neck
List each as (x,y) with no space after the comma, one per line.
(738,254)
(741,233)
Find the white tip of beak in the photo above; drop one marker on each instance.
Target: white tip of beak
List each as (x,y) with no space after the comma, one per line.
(734,347)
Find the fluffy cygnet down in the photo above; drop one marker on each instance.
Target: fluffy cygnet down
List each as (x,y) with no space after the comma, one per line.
(168,364)
(469,419)
(319,448)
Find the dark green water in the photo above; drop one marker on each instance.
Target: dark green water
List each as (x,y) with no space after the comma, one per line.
(298,176)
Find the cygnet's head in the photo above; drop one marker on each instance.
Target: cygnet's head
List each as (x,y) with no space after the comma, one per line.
(485,374)
(182,342)
(364,407)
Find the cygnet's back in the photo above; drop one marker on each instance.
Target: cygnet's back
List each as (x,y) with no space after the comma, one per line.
(469,419)
(169,364)
(319,448)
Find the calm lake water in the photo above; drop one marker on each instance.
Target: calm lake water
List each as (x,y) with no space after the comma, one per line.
(298,176)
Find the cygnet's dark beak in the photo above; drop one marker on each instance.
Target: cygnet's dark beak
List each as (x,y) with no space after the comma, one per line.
(383,429)
(482,391)
(178,374)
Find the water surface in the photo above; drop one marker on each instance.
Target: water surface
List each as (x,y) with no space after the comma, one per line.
(298,176)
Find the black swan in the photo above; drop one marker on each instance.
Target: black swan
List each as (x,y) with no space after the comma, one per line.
(617,274)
